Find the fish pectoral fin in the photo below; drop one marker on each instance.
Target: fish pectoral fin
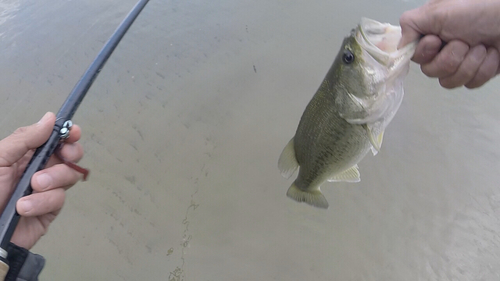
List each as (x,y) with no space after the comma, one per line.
(313,197)
(376,141)
(349,175)
(288,162)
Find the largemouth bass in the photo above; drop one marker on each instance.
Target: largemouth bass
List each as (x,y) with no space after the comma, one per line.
(347,116)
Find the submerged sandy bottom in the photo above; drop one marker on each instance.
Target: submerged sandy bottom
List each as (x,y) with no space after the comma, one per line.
(183,129)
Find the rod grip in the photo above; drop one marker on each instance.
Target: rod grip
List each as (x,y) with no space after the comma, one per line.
(4,268)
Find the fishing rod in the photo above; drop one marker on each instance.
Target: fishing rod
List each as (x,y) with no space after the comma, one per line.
(9,218)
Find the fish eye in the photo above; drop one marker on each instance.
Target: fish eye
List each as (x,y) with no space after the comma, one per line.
(348,57)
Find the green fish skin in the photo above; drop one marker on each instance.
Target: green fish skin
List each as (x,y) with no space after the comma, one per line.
(348,114)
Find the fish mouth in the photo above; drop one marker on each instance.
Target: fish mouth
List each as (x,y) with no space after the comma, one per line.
(381,41)
(385,67)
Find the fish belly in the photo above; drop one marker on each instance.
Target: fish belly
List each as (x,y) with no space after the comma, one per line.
(327,155)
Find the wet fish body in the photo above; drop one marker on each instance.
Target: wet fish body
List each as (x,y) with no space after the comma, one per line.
(348,114)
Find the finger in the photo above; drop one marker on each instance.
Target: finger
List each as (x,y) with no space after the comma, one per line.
(487,70)
(74,134)
(427,49)
(57,176)
(418,22)
(71,151)
(447,61)
(467,69)
(409,31)
(41,203)
(15,146)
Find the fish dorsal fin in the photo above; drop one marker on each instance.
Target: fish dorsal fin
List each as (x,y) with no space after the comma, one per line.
(288,162)
(376,141)
(349,175)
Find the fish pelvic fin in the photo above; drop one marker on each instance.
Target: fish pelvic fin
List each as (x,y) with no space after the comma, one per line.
(376,141)
(312,197)
(288,162)
(349,175)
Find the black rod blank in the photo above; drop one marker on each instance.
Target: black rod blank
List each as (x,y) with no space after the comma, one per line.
(9,218)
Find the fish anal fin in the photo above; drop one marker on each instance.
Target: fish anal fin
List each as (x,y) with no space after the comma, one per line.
(312,197)
(287,162)
(349,175)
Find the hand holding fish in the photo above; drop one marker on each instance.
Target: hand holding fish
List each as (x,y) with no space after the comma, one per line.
(40,208)
(461,40)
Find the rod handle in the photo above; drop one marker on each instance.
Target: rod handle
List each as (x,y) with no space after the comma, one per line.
(4,268)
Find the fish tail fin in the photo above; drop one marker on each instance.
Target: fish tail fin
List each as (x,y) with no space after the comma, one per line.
(312,197)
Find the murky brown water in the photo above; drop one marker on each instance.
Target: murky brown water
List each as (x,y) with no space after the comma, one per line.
(184,126)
